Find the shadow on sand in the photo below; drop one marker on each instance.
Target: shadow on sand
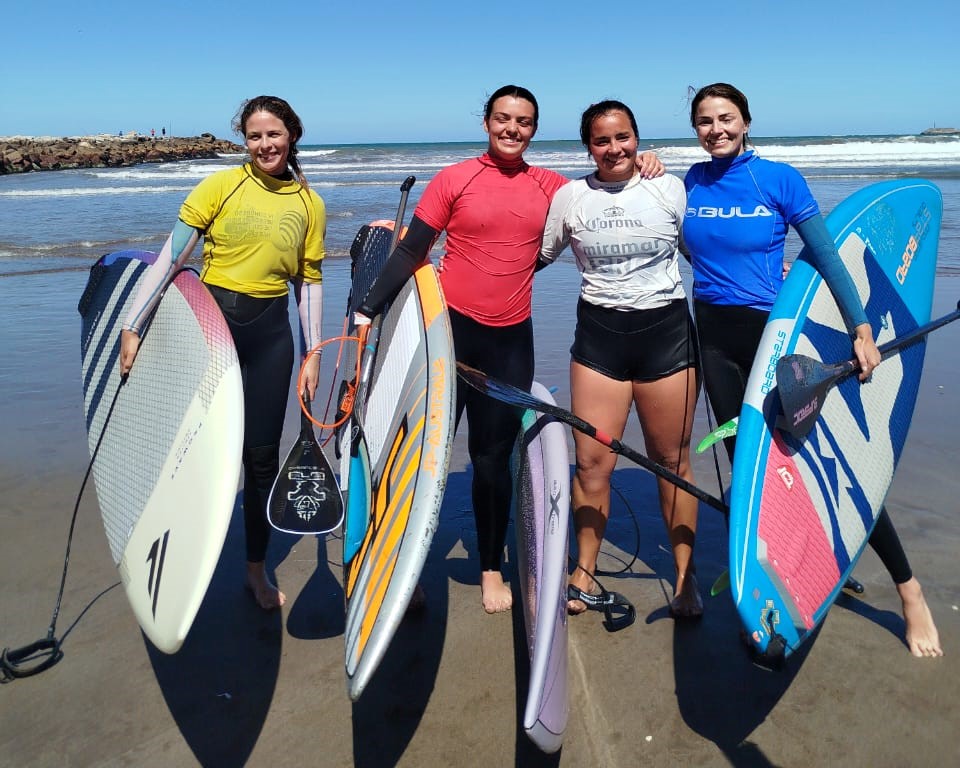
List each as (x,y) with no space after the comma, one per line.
(721,694)
(388,713)
(219,685)
(220,706)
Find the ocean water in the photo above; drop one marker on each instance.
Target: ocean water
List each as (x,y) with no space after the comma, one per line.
(59,220)
(55,224)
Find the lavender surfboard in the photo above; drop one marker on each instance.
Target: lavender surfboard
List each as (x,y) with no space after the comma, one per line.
(542,522)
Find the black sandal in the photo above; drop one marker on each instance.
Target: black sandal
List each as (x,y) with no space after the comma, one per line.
(618,612)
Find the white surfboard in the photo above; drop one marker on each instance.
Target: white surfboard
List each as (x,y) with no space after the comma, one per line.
(167,445)
(394,470)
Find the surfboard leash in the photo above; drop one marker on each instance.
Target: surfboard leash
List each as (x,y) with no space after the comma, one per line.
(618,611)
(29,660)
(347,394)
(636,528)
(42,654)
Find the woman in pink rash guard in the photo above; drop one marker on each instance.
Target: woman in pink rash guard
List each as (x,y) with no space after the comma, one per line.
(493,209)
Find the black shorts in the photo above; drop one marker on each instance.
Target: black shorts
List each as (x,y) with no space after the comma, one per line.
(635,345)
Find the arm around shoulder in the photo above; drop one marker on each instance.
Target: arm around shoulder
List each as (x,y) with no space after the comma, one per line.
(649,164)
(556,234)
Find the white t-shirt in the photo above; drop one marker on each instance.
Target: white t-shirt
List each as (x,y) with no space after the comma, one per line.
(625,236)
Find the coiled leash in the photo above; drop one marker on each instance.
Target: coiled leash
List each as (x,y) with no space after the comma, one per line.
(42,654)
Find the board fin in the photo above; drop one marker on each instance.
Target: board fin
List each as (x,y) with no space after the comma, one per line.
(728,429)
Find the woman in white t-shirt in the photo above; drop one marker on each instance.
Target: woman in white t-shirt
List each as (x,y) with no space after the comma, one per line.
(634,344)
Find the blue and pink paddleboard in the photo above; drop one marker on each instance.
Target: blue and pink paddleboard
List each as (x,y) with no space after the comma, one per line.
(802,510)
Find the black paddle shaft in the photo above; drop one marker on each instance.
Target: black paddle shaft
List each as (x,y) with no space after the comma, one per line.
(373,333)
(803,382)
(507,393)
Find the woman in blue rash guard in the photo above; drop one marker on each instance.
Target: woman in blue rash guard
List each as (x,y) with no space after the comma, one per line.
(738,269)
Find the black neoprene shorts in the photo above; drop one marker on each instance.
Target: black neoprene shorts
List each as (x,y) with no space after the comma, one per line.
(635,345)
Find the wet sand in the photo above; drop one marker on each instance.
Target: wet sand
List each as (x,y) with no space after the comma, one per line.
(258,689)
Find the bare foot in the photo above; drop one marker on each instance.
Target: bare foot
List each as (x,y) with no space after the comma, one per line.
(496,595)
(686,603)
(922,637)
(264,591)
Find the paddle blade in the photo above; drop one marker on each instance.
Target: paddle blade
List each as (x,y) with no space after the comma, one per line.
(803,383)
(505,393)
(368,253)
(305,497)
(511,395)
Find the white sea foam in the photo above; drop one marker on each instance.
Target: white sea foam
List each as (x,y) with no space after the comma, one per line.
(181,170)
(837,154)
(92,191)
(316,152)
(361,167)
(865,153)
(59,214)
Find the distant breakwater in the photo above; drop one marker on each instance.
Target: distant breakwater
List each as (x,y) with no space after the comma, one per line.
(22,154)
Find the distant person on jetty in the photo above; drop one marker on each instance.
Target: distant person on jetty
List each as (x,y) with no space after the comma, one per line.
(634,345)
(493,208)
(738,269)
(262,227)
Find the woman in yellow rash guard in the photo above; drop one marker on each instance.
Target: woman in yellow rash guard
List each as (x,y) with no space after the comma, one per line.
(262,227)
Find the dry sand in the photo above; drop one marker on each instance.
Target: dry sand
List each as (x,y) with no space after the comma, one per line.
(257,689)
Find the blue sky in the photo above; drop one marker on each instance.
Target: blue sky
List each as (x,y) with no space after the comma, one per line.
(368,70)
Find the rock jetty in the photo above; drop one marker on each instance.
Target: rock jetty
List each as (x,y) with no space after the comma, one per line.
(941,132)
(20,154)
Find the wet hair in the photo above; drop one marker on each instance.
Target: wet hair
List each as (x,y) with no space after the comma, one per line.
(722,91)
(599,109)
(280,109)
(517,92)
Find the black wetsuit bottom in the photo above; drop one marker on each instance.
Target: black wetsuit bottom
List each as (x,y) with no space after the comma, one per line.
(729,337)
(264,342)
(504,353)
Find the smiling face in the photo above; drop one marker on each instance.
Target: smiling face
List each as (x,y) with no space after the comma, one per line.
(720,127)
(510,127)
(268,142)
(613,146)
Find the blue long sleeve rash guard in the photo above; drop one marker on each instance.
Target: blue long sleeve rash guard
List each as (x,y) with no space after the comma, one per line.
(739,211)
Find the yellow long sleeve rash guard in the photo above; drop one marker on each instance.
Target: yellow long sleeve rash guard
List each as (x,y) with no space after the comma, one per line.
(259,232)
